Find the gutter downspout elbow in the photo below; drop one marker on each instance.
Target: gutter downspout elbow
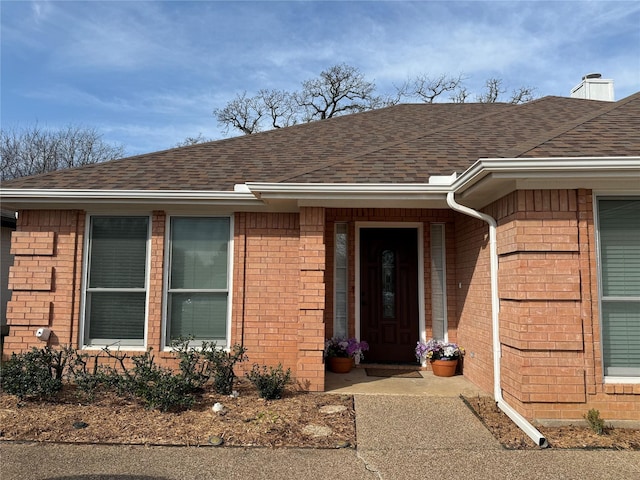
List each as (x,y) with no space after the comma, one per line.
(518,419)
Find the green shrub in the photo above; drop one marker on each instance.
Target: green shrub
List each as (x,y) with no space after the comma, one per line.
(270,383)
(220,365)
(595,421)
(157,387)
(193,367)
(36,374)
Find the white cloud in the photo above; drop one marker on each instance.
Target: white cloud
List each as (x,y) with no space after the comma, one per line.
(149,63)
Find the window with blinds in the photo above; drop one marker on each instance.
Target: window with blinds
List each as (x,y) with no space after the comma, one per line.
(116,290)
(438,282)
(198,291)
(340,306)
(619,246)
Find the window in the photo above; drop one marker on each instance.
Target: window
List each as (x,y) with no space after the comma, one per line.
(116,284)
(198,291)
(619,245)
(438,282)
(340,283)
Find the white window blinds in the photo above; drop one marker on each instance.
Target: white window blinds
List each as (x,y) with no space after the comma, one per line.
(619,230)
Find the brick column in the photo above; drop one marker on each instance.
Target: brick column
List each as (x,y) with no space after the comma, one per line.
(312,298)
(45,278)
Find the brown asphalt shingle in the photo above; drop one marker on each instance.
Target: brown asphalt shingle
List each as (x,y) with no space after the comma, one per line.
(399,144)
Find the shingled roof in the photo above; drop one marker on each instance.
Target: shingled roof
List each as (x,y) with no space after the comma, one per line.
(399,144)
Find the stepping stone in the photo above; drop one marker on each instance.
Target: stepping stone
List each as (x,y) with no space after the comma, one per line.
(317,431)
(330,409)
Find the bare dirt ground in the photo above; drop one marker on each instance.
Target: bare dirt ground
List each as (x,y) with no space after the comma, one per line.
(578,436)
(297,420)
(247,420)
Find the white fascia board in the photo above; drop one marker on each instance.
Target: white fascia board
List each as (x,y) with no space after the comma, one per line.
(347,191)
(491,178)
(23,197)
(586,167)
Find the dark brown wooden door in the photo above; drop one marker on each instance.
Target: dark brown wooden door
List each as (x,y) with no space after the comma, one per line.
(389,293)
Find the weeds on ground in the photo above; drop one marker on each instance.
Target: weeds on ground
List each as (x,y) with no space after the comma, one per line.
(596,423)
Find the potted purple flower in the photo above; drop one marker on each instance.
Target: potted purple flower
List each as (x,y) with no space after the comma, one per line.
(443,356)
(343,353)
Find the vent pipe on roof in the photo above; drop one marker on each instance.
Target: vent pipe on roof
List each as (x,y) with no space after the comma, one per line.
(594,87)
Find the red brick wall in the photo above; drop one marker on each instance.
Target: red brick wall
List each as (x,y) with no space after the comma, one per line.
(47,248)
(273,315)
(549,321)
(278,295)
(473,298)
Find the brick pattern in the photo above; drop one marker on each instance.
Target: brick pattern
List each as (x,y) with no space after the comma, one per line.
(543,376)
(156,281)
(312,297)
(473,298)
(266,289)
(32,243)
(550,332)
(540,276)
(45,277)
(27,275)
(546,325)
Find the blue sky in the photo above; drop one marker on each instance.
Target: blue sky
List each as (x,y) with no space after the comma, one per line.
(149,74)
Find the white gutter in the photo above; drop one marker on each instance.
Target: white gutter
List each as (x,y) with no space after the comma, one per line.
(73,196)
(518,419)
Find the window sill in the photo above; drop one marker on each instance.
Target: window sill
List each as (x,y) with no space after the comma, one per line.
(621,380)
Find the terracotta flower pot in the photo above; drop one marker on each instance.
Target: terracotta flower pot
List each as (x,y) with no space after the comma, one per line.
(444,368)
(340,364)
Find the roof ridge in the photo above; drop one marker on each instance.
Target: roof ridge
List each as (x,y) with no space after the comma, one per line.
(523,148)
(305,171)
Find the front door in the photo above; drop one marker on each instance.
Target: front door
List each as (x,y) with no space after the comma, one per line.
(389,318)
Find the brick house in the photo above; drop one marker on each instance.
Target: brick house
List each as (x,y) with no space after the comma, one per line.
(511,229)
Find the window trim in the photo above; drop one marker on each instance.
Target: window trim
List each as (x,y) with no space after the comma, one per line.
(607,379)
(443,259)
(84,322)
(164,337)
(336,320)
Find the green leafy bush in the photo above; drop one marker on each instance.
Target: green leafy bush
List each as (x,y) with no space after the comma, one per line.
(157,387)
(221,364)
(270,383)
(35,374)
(193,366)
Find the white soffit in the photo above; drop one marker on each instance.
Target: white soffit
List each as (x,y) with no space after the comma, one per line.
(352,195)
(50,199)
(491,178)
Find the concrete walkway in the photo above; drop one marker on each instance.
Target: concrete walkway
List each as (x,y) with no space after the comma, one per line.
(399,435)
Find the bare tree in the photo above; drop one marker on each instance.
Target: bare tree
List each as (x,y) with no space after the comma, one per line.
(522,95)
(193,140)
(460,95)
(34,150)
(339,89)
(344,89)
(430,88)
(494,91)
(281,107)
(243,113)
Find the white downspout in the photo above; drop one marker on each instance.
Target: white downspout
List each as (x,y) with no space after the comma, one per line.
(518,419)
